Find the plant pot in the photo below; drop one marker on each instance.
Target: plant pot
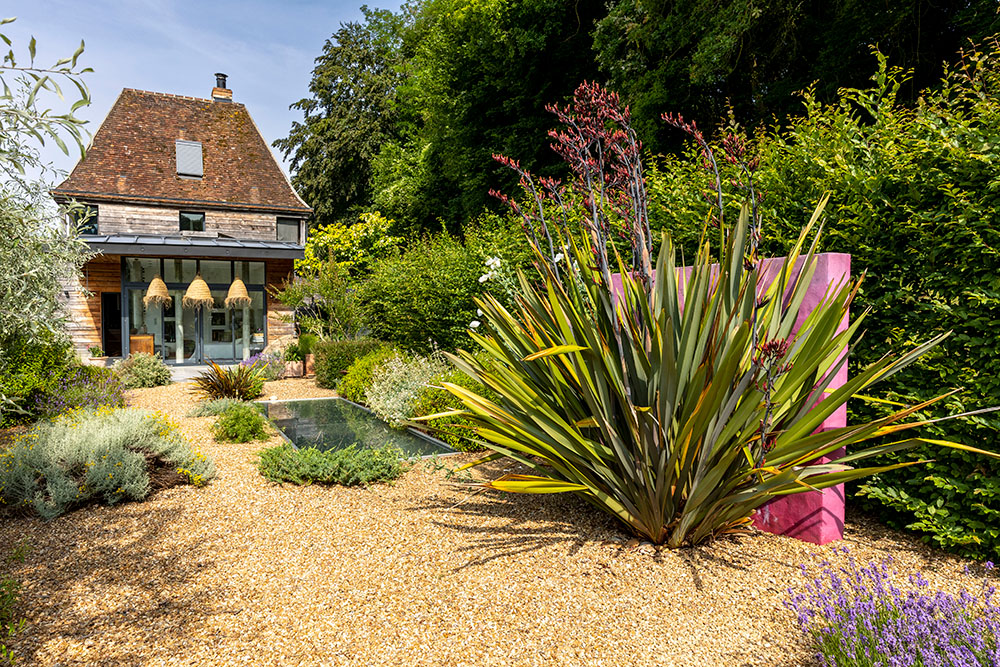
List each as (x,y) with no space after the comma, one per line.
(96,361)
(293,369)
(310,365)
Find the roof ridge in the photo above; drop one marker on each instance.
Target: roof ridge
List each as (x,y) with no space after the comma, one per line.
(175,96)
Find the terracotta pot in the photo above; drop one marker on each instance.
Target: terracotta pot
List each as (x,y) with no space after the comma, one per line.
(310,365)
(96,361)
(293,369)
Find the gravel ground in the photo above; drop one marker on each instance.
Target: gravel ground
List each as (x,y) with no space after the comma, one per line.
(417,573)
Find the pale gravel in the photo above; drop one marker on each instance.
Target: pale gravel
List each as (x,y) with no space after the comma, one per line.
(243,572)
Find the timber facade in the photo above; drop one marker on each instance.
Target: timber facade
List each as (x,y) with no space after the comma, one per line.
(178,195)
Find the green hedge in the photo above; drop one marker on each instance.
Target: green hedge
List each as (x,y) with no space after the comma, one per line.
(914,201)
(423,297)
(334,357)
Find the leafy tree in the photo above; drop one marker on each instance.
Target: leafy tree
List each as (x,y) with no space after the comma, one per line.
(350,114)
(480,76)
(695,56)
(36,253)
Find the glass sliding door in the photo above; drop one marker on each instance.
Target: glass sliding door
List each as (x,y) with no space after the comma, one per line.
(186,336)
(180,331)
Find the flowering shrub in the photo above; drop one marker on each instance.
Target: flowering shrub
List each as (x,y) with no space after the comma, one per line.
(859,616)
(82,387)
(106,455)
(29,367)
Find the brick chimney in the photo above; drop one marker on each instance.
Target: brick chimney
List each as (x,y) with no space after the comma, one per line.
(220,93)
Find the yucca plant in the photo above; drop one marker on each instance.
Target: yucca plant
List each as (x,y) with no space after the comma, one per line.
(680,403)
(243,383)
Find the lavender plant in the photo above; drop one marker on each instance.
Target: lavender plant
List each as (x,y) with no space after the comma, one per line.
(858,616)
(83,387)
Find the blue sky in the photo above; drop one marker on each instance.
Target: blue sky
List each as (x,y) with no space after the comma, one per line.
(266,48)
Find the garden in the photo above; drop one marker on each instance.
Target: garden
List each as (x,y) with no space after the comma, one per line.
(626,380)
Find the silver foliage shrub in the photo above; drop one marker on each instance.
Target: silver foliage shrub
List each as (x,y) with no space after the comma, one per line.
(397,382)
(106,455)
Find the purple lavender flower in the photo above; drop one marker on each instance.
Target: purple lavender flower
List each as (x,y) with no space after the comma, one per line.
(857,615)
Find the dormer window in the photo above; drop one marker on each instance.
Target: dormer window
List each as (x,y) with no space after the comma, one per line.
(192,222)
(288,230)
(189,159)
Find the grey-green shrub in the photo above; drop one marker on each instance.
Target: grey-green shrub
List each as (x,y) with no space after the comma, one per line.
(347,467)
(213,408)
(142,370)
(358,377)
(396,383)
(103,455)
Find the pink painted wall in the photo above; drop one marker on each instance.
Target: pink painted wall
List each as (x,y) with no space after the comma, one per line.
(814,516)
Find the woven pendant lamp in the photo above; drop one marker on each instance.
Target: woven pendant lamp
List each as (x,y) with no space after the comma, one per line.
(157,294)
(238,296)
(198,295)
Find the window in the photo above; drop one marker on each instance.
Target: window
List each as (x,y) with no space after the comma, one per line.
(84,218)
(189,161)
(288,230)
(192,222)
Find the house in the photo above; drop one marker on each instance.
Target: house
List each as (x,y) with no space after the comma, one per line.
(193,220)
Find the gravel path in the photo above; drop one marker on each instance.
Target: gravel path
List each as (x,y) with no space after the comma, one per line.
(417,573)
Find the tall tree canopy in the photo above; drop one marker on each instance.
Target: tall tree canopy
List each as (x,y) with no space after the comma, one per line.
(406,108)
(351,112)
(697,56)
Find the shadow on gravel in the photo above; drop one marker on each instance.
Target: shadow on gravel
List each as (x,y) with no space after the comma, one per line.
(108,589)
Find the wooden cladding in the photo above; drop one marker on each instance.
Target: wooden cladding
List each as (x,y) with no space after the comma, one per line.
(101,274)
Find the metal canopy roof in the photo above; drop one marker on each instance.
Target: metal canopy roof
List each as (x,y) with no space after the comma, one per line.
(192,246)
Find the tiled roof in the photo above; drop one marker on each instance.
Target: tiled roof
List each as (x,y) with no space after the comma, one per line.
(132,157)
(193,246)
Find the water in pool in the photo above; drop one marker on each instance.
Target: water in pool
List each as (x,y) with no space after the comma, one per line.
(333,423)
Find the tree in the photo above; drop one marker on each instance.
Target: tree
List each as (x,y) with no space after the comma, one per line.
(480,75)
(697,56)
(37,254)
(350,114)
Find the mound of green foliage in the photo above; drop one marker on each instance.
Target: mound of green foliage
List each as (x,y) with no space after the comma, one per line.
(433,399)
(30,367)
(334,357)
(350,466)
(104,455)
(423,296)
(142,370)
(358,378)
(240,422)
(213,408)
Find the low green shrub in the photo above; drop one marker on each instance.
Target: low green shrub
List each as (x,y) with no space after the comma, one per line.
(213,408)
(424,296)
(293,353)
(397,381)
(351,466)
(334,357)
(358,377)
(244,383)
(142,370)
(432,399)
(96,455)
(240,422)
(307,343)
(30,367)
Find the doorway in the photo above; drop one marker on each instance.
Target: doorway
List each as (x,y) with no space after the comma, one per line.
(111,323)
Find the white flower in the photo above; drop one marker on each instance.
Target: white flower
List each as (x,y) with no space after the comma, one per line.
(483,278)
(558,257)
(493,262)
(474,323)
(479,312)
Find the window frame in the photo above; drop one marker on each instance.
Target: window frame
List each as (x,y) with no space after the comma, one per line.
(185,148)
(286,220)
(180,220)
